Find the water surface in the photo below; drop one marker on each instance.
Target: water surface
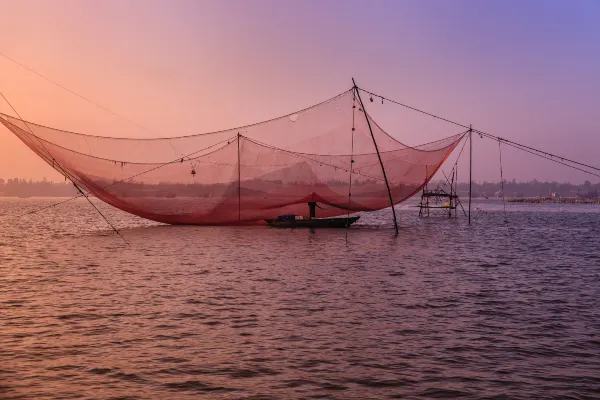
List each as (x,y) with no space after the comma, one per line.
(494,310)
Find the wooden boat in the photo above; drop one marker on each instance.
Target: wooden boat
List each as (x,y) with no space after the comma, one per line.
(286,221)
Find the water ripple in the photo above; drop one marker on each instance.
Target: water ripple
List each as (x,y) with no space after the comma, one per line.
(491,311)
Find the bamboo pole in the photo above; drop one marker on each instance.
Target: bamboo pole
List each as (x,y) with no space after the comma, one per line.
(470,168)
(378,156)
(239,179)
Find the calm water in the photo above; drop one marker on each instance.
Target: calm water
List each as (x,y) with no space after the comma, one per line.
(443,310)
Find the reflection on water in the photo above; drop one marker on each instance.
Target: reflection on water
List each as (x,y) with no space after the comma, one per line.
(442,310)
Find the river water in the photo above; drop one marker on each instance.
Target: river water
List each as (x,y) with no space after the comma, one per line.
(443,310)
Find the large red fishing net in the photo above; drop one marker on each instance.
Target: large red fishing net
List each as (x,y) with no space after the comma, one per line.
(322,154)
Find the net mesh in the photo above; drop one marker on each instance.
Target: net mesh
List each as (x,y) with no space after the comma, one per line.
(246,174)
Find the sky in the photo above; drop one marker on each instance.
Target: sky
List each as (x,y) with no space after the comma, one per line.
(527,71)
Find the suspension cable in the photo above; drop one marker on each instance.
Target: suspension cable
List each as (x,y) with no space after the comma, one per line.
(108,110)
(64,172)
(177,160)
(540,153)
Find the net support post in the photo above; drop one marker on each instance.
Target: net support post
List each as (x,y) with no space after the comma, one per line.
(239,136)
(378,156)
(470,169)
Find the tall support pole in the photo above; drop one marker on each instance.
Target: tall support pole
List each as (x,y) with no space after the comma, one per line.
(456,190)
(451,199)
(470,168)
(239,179)
(378,156)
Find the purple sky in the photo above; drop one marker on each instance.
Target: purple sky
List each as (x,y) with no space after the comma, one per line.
(524,70)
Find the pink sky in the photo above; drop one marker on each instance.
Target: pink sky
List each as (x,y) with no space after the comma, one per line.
(527,73)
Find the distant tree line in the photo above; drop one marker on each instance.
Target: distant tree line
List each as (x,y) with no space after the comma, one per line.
(532,188)
(27,188)
(22,188)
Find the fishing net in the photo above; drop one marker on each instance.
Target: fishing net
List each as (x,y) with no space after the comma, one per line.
(322,154)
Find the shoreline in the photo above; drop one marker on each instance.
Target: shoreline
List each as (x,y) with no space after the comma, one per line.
(552,200)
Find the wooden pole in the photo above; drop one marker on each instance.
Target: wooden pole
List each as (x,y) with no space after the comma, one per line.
(456,189)
(239,179)
(470,168)
(451,199)
(378,156)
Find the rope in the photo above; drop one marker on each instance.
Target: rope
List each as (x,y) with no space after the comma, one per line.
(177,160)
(534,151)
(450,183)
(455,167)
(148,130)
(320,162)
(520,147)
(84,98)
(54,162)
(413,108)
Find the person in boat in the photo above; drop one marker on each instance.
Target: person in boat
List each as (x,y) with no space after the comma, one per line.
(312,206)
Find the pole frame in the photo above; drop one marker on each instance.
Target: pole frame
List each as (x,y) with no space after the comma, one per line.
(239,179)
(470,169)
(378,156)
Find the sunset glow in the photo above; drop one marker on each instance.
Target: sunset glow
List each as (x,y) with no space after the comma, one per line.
(190,67)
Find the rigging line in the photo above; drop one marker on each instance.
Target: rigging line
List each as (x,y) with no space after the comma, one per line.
(177,160)
(502,180)
(516,146)
(99,212)
(188,156)
(445,176)
(414,109)
(461,150)
(76,94)
(301,155)
(152,132)
(457,198)
(479,131)
(65,172)
(455,166)
(402,157)
(43,208)
(536,150)
(143,139)
(84,98)
(417,147)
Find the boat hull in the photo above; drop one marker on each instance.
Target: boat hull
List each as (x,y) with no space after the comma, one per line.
(313,223)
